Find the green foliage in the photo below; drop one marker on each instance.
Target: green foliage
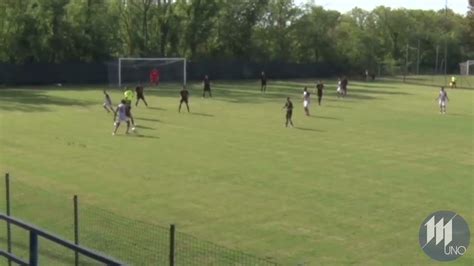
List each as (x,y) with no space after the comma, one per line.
(97,30)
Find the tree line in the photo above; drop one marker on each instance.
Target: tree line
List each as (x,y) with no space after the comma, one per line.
(55,31)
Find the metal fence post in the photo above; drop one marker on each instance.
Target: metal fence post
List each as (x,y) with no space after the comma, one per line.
(33,249)
(172,244)
(9,230)
(76,228)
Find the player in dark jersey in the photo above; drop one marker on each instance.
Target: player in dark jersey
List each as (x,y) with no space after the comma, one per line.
(128,112)
(207,86)
(108,103)
(140,95)
(184,98)
(344,84)
(289,111)
(319,88)
(263,82)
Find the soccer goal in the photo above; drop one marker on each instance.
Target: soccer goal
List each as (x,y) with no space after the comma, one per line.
(147,71)
(467,68)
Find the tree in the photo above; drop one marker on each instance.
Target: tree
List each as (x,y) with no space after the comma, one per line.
(313,35)
(201,18)
(276,25)
(93,28)
(468,34)
(235,28)
(257,30)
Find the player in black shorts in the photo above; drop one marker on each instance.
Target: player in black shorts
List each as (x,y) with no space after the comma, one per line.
(263,81)
(289,111)
(140,95)
(344,84)
(184,98)
(319,88)
(108,103)
(207,86)
(128,112)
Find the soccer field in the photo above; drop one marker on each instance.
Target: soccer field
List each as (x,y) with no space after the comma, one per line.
(350,184)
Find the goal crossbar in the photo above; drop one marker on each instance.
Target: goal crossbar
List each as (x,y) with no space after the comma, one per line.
(153,59)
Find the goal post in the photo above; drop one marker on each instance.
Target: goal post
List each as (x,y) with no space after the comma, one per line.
(134,70)
(466,68)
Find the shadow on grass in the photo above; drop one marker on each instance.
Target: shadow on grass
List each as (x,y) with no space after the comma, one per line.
(325,117)
(375,91)
(134,135)
(308,129)
(156,108)
(358,96)
(31,100)
(239,94)
(144,127)
(146,136)
(35,101)
(201,114)
(338,107)
(148,119)
(372,85)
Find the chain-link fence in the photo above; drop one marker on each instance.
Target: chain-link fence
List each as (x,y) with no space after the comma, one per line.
(461,82)
(416,70)
(107,72)
(133,242)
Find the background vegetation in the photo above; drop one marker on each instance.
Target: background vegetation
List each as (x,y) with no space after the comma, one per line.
(55,31)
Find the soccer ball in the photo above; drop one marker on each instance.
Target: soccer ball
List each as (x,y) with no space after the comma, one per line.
(133,128)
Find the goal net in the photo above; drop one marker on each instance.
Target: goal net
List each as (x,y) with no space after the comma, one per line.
(147,71)
(467,68)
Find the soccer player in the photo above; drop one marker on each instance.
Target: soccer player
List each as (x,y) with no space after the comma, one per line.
(140,95)
(108,103)
(263,81)
(207,86)
(339,89)
(128,113)
(453,82)
(320,87)
(128,94)
(128,97)
(344,84)
(442,100)
(289,111)
(366,75)
(155,77)
(122,117)
(306,100)
(184,98)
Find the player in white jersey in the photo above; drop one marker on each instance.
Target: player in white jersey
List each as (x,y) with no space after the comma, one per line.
(339,89)
(121,111)
(442,100)
(306,100)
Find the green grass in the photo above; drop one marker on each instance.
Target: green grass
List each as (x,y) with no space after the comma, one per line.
(348,185)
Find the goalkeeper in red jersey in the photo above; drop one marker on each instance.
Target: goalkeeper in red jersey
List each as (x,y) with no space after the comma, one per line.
(155,77)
